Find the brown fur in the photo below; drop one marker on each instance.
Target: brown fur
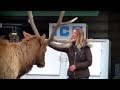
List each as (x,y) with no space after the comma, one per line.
(16,59)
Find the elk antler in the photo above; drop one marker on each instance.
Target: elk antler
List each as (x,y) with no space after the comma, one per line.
(59,23)
(32,23)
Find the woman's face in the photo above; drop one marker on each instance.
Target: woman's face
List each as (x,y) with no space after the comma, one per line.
(74,35)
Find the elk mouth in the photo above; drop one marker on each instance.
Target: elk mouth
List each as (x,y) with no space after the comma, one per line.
(41,65)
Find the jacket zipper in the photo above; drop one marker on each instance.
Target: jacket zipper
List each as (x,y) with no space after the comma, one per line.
(74,61)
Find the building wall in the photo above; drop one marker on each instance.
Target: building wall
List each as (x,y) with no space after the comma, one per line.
(114,36)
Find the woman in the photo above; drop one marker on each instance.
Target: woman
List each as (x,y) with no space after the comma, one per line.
(79,55)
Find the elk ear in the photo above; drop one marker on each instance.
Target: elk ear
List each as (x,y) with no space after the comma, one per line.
(26,34)
(42,38)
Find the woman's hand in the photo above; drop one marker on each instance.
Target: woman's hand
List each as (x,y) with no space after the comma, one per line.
(72,68)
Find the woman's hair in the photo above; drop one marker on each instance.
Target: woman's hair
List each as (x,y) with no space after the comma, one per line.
(80,37)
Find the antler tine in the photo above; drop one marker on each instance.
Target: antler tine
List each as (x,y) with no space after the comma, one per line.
(57,25)
(32,23)
(71,21)
(60,17)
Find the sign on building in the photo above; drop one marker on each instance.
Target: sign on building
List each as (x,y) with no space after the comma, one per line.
(64,32)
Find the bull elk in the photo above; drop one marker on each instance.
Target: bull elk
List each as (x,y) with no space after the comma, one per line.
(17,58)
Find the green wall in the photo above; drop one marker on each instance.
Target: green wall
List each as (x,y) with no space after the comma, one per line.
(50,13)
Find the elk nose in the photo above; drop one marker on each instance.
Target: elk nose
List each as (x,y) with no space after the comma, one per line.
(41,65)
